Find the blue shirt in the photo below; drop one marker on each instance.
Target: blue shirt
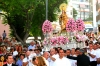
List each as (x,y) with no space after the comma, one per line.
(31,47)
(19,62)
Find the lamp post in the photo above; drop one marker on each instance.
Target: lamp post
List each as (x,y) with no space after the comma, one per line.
(46,9)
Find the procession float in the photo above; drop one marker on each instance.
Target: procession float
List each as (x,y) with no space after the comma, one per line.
(69,35)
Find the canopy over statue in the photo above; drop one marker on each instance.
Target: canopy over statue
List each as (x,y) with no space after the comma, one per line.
(63,19)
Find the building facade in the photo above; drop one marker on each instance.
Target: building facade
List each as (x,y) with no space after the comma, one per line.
(4,27)
(88,10)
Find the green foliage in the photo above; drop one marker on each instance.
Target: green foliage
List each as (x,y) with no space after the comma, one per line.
(89,18)
(74,13)
(39,16)
(25,16)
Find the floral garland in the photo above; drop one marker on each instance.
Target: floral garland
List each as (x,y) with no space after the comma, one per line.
(57,40)
(47,26)
(80,38)
(71,25)
(80,25)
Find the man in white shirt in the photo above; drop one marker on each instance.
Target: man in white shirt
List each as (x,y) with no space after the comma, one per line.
(27,59)
(45,57)
(92,55)
(56,52)
(97,50)
(52,57)
(62,61)
(71,53)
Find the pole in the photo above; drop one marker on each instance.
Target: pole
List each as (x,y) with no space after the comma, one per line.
(80,11)
(84,14)
(46,9)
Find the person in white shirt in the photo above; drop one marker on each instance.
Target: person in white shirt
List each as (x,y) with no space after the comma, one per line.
(45,57)
(34,62)
(15,53)
(97,50)
(32,53)
(62,61)
(56,52)
(52,57)
(92,55)
(71,53)
(27,59)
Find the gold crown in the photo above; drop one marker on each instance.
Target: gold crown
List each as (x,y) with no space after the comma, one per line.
(63,7)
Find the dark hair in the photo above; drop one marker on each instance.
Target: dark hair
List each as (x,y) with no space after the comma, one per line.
(22,55)
(96,43)
(56,49)
(8,56)
(30,50)
(40,49)
(61,49)
(77,49)
(64,51)
(90,42)
(34,58)
(68,49)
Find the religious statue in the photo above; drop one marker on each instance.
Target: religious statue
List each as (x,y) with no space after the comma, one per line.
(63,19)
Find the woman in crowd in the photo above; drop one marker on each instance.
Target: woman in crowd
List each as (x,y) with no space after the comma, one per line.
(41,61)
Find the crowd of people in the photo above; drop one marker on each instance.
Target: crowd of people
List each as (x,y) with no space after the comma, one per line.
(13,54)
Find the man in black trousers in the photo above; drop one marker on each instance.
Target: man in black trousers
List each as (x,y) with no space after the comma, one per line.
(82,59)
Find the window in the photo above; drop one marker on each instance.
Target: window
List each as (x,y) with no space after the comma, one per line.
(74,0)
(86,13)
(75,5)
(87,6)
(81,0)
(86,0)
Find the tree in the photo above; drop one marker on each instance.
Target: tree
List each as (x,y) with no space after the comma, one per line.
(19,15)
(74,13)
(89,18)
(25,17)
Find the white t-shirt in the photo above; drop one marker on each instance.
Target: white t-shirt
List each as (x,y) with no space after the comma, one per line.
(73,62)
(29,59)
(15,53)
(32,55)
(31,64)
(51,61)
(98,55)
(93,52)
(62,62)
(46,61)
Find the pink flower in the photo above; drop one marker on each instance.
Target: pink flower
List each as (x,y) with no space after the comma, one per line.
(71,25)
(47,26)
(80,25)
(59,40)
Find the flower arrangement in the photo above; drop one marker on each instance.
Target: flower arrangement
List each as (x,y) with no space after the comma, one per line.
(71,25)
(53,41)
(45,41)
(62,40)
(80,38)
(80,25)
(57,40)
(47,26)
